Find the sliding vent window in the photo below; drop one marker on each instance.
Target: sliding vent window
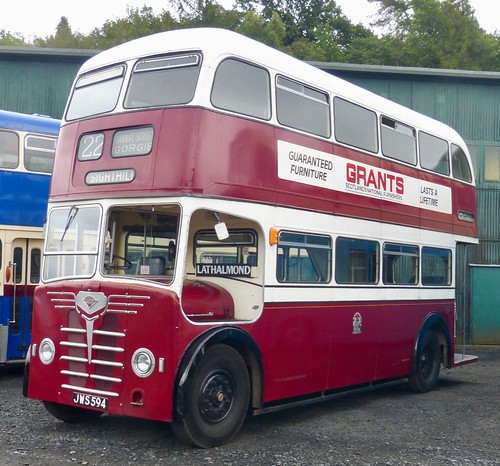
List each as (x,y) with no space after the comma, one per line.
(434,154)
(96,93)
(398,141)
(303,258)
(303,108)
(355,125)
(39,153)
(242,88)
(163,81)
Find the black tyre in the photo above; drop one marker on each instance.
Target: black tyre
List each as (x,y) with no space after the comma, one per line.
(70,414)
(427,365)
(215,399)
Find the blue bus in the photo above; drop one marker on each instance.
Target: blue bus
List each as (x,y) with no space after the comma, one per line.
(27,148)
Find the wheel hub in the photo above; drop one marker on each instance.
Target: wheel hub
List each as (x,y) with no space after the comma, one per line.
(216,397)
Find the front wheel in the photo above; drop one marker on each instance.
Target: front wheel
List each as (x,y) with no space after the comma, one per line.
(70,414)
(428,363)
(216,399)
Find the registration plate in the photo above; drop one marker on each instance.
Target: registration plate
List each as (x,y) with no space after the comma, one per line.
(91,401)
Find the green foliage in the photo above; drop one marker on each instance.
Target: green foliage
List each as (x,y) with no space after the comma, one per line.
(424,33)
(9,39)
(270,32)
(436,34)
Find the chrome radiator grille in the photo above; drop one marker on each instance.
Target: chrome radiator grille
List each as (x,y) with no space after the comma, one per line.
(92,344)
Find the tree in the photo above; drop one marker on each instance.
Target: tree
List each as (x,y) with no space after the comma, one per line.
(434,33)
(137,23)
(270,32)
(206,13)
(11,39)
(63,38)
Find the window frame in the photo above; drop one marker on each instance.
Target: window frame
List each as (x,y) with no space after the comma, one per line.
(449,267)
(348,142)
(448,158)
(283,276)
(371,266)
(404,251)
(264,116)
(301,91)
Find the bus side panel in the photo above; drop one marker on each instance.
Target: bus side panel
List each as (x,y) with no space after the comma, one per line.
(464,205)
(18,323)
(235,158)
(295,340)
(320,346)
(26,196)
(402,322)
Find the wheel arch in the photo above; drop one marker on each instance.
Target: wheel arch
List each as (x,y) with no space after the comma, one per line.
(434,322)
(235,337)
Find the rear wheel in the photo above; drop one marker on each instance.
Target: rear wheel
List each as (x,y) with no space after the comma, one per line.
(215,399)
(428,364)
(70,414)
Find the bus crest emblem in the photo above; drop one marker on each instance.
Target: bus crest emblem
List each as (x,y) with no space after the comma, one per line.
(89,304)
(356,324)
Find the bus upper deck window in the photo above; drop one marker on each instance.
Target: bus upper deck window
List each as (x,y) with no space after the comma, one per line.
(242,88)
(166,80)
(9,149)
(96,93)
(460,164)
(355,125)
(39,153)
(399,141)
(434,153)
(302,107)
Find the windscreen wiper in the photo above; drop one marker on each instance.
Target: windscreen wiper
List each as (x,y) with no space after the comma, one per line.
(71,216)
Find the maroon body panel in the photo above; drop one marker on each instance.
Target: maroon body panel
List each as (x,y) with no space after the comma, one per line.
(197,151)
(299,355)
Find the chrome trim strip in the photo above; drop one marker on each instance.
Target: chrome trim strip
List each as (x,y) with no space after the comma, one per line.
(89,390)
(106,379)
(72,330)
(114,349)
(127,304)
(128,296)
(73,344)
(120,311)
(100,362)
(108,333)
(75,374)
(73,359)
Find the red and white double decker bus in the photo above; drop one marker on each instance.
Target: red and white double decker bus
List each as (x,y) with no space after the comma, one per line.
(231,230)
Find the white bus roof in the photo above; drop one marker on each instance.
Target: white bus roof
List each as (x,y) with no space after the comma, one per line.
(218,43)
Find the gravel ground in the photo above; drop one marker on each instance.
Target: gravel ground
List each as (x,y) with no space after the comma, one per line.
(456,424)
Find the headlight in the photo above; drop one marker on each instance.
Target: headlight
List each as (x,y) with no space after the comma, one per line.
(143,362)
(47,351)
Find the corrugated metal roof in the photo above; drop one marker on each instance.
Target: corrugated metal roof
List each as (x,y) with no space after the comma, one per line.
(411,71)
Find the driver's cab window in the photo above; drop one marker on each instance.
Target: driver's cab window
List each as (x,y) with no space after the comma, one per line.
(238,250)
(142,241)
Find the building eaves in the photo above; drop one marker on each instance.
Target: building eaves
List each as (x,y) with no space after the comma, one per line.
(414,72)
